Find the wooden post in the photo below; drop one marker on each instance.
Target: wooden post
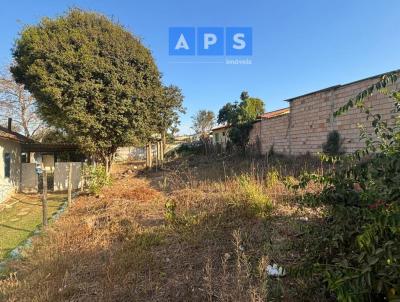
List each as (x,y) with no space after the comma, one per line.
(147,156)
(162,154)
(69,184)
(44,198)
(82,176)
(157,154)
(150,156)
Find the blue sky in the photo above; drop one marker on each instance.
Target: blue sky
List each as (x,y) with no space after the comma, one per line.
(298,46)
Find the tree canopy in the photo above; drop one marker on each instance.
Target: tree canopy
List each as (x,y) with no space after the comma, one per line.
(240,117)
(91,78)
(168,110)
(203,121)
(239,113)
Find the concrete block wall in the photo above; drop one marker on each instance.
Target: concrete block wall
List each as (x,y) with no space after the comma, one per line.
(272,132)
(61,172)
(29,178)
(306,127)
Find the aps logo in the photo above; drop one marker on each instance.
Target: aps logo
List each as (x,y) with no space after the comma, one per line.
(210,41)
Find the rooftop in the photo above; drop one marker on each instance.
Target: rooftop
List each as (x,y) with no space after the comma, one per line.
(14,136)
(275,113)
(219,127)
(30,145)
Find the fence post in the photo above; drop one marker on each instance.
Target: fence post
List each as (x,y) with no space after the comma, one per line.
(157,155)
(150,156)
(44,198)
(162,154)
(147,156)
(82,176)
(69,184)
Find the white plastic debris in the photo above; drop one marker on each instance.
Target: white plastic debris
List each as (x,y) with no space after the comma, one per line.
(303,218)
(227,256)
(275,271)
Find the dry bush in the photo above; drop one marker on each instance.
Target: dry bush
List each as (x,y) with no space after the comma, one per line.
(238,280)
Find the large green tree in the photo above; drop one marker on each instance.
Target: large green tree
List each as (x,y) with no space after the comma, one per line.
(168,111)
(91,78)
(240,117)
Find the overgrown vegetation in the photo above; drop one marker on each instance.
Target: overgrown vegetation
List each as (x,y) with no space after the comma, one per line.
(358,252)
(240,118)
(206,228)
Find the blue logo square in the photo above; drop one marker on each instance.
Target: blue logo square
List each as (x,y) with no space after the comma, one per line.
(182,41)
(239,41)
(210,41)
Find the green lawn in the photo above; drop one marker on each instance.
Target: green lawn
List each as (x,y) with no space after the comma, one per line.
(20,216)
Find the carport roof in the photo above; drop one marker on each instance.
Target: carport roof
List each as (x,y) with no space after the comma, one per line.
(39,147)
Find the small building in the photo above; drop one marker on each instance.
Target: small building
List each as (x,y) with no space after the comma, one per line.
(17,150)
(10,164)
(220,135)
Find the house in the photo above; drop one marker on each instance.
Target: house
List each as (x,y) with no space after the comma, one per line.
(18,150)
(220,135)
(10,165)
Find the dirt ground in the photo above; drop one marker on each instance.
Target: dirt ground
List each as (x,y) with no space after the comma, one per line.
(171,235)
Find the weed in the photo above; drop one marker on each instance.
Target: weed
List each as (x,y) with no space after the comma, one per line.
(272,178)
(170,211)
(254,196)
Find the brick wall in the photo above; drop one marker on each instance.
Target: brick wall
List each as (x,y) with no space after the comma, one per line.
(272,132)
(306,127)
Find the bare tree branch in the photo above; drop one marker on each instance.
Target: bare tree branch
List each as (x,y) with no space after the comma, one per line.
(19,104)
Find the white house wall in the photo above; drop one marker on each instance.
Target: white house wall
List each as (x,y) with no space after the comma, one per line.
(11,184)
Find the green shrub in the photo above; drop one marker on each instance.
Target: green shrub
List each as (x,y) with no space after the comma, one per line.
(333,145)
(254,195)
(185,149)
(357,251)
(170,211)
(97,178)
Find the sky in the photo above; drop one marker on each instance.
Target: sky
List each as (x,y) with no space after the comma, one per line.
(299,46)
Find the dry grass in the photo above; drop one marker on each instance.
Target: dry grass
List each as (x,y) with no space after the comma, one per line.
(211,243)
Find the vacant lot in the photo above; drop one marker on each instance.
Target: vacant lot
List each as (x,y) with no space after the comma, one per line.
(20,216)
(200,230)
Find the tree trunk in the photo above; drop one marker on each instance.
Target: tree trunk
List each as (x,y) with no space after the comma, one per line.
(106,161)
(164,140)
